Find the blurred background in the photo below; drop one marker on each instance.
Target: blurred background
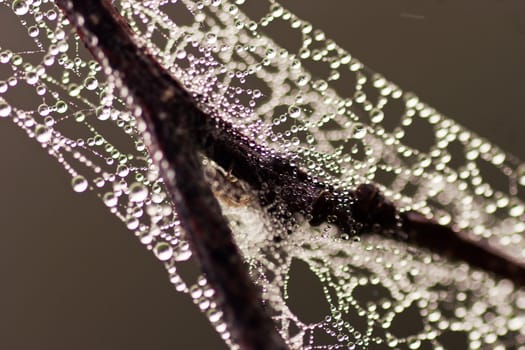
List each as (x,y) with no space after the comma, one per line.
(72,276)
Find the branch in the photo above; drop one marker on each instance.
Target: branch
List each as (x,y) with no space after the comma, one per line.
(179,128)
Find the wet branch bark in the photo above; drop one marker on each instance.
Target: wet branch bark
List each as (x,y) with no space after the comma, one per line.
(179,129)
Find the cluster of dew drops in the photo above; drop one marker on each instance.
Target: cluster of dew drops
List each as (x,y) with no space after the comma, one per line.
(298,113)
(268,92)
(73,97)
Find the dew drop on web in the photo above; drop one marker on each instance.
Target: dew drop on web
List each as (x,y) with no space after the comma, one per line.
(21,7)
(79,183)
(43,134)
(138,192)
(5,109)
(163,251)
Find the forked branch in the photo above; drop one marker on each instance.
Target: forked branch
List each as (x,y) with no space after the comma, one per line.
(179,129)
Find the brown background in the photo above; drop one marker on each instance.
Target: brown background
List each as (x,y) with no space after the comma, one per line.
(72,277)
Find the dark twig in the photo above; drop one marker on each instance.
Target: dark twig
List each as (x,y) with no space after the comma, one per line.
(461,246)
(179,128)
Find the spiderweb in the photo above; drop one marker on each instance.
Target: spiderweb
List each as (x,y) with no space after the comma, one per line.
(316,103)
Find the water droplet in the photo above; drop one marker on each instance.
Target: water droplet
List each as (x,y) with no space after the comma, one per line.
(414,344)
(91,83)
(44,110)
(211,38)
(61,107)
(74,90)
(146,237)
(3,86)
(79,117)
(358,131)
(21,7)
(110,199)
(498,159)
(132,223)
(138,192)
(163,251)
(376,116)
(122,170)
(181,54)
(33,31)
(294,111)
(183,255)
(516,210)
(79,183)
(5,110)
(103,113)
(31,78)
(43,133)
